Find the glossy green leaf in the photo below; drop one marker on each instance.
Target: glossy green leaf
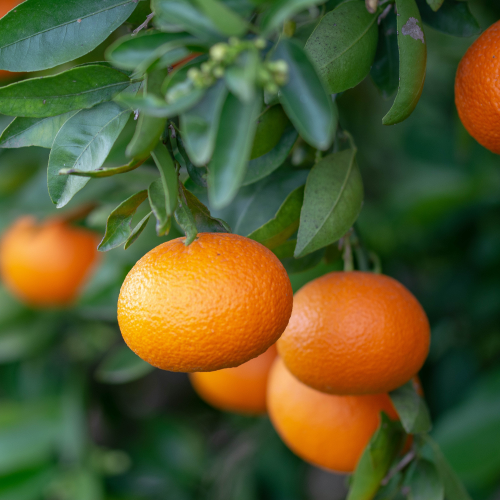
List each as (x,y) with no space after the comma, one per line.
(423,482)
(79,88)
(204,222)
(131,51)
(453,487)
(241,77)
(185,217)
(103,172)
(227,21)
(136,232)
(411,409)
(118,226)
(281,10)
(270,127)
(412,62)
(169,177)
(304,98)
(266,164)
(156,194)
(292,265)
(121,366)
(332,201)
(385,68)
(199,124)
(41,132)
(376,459)
(34,37)
(435,4)
(343,45)
(283,224)
(83,143)
(235,135)
(453,18)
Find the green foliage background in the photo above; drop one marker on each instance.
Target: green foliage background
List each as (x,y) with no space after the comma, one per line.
(69,430)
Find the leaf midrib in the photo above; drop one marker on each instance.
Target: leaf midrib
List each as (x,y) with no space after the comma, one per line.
(65,24)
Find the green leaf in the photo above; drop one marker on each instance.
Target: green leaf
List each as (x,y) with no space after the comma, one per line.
(197,174)
(453,18)
(453,487)
(232,149)
(286,221)
(385,68)
(41,132)
(79,88)
(156,194)
(185,218)
(411,409)
(131,51)
(423,481)
(435,4)
(270,127)
(34,37)
(241,77)
(118,229)
(199,124)
(136,232)
(266,164)
(332,201)
(343,45)
(83,143)
(281,10)
(304,98)
(169,177)
(121,366)
(102,172)
(204,222)
(228,22)
(292,265)
(412,62)
(376,459)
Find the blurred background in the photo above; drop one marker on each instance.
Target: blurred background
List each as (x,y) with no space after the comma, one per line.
(82,419)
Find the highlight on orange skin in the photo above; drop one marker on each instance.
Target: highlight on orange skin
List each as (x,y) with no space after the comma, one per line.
(241,389)
(46,264)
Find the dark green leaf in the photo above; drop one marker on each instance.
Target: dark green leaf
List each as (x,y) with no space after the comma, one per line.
(270,127)
(423,481)
(385,69)
(304,98)
(281,10)
(103,172)
(204,222)
(332,201)
(292,265)
(411,409)
(200,123)
(241,77)
(156,195)
(228,22)
(376,459)
(78,88)
(136,232)
(264,165)
(185,218)
(131,51)
(286,221)
(343,45)
(34,37)
(83,143)
(412,62)
(121,366)
(41,132)
(453,18)
(232,149)
(118,229)
(197,174)
(169,177)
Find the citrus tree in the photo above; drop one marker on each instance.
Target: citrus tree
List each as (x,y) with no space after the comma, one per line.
(205,116)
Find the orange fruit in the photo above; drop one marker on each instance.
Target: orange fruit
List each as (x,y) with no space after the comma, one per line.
(477,89)
(7,6)
(216,303)
(241,389)
(46,264)
(323,429)
(355,333)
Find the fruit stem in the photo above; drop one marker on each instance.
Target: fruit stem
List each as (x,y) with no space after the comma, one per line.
(348,260)
(399,467)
